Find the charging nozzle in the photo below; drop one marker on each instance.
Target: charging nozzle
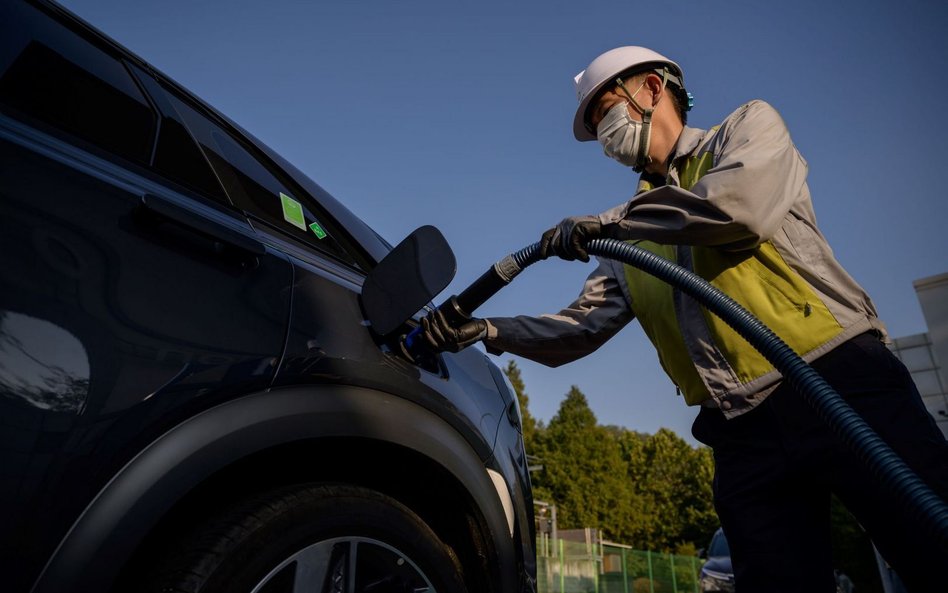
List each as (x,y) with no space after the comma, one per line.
(460,308)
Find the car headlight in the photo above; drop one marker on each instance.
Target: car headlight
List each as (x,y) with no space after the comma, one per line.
(716,581)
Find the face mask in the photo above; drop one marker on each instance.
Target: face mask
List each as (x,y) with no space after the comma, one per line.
(623,138)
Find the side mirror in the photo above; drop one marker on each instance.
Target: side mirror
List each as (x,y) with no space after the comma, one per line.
(702,553)
(412,274)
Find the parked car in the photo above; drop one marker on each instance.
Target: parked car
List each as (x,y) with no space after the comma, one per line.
(192,397)
(717,574)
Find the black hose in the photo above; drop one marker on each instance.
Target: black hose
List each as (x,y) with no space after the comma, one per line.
(924,505)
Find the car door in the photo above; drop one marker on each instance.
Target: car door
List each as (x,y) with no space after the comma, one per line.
(132,293)
(329,339)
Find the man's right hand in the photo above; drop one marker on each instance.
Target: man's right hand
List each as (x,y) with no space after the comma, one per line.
(441,336)
(568,239)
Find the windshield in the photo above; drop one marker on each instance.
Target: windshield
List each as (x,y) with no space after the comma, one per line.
(718,545)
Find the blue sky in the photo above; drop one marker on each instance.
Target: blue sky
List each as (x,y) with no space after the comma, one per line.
(458,115)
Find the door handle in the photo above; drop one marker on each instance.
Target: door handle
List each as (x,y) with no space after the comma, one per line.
(216,231)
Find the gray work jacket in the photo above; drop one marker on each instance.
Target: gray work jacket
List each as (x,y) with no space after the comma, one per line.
(754,191)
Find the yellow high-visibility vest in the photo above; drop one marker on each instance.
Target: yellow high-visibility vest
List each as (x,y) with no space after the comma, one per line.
(701,354)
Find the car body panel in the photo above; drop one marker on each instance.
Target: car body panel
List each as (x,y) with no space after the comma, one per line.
(119,352)
(152,336)
(120,516)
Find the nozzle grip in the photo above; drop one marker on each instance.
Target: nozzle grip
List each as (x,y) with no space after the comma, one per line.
(458,309)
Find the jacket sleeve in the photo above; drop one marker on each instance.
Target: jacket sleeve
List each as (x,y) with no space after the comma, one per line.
(599,312)
(756,177)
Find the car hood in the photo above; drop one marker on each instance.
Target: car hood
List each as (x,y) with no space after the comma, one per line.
(719,564)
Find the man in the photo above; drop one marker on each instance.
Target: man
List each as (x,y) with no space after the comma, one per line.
(732,204)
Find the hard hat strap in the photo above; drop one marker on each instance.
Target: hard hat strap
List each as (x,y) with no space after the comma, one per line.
(642,159)
(631,96)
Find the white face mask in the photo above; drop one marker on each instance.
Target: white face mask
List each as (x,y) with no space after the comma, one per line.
(623,138)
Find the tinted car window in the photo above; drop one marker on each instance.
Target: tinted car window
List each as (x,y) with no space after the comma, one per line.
(177,155)
(51,74)
(254,186)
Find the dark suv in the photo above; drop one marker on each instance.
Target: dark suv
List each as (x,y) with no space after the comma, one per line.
(192,397)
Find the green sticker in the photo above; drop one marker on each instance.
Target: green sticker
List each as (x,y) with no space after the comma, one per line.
(318,230)
(293,212)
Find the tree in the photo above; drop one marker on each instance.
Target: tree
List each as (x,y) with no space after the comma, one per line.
(584,472)
(649,491)
(674,482)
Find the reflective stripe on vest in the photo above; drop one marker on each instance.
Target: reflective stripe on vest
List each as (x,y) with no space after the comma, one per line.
(701,354)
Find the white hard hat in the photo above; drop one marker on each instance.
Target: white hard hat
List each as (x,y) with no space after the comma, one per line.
(605,68)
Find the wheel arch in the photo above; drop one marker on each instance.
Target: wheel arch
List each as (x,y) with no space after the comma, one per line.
(217,447)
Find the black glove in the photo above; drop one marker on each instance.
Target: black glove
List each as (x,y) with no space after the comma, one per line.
(441,336)
(567,240)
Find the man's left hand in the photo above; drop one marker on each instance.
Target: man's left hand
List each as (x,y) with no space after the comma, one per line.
(568,239)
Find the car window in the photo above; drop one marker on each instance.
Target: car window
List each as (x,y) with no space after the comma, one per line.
(51,74)
(262,191)
(177,155)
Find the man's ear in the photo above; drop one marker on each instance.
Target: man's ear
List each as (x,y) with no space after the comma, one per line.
(653,82)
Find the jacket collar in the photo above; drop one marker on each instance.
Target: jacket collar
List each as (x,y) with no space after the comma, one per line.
(688,141)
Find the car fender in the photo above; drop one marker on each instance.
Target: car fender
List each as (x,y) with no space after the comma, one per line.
(104,536)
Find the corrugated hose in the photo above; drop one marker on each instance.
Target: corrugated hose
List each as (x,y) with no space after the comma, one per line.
(923,503)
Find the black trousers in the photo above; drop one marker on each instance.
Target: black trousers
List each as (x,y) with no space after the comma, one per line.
(776,466)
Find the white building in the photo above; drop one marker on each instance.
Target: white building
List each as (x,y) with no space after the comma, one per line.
(926,355)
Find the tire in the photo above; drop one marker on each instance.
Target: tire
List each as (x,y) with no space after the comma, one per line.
(319,535)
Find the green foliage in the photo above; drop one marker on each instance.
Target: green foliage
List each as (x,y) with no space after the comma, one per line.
(675,481)
(649,491)
(584,473)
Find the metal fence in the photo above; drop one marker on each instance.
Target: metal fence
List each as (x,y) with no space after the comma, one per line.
(576,567)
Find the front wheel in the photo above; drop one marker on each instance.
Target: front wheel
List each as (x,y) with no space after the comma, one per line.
(314,538)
